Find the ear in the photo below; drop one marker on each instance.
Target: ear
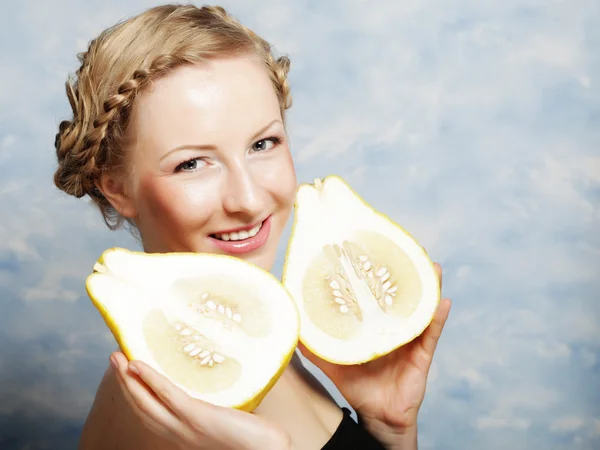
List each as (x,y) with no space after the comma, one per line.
(114,187)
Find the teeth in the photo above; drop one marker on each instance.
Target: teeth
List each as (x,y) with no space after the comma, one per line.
(239,235)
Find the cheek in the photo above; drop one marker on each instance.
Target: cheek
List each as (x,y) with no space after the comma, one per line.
(173,204)
(291,181)
(281,180)
(154,198)
(202,194)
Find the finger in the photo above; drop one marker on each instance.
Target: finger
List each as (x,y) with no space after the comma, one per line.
(188,413)
(186,408)
(204,417)
(438,271)
(144,419)
(144,402)
(432,334)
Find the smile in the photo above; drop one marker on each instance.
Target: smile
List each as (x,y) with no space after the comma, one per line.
(239,235)
(242,240)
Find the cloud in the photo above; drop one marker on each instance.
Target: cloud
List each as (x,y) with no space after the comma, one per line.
(506,423)
(473,124)
(567,424)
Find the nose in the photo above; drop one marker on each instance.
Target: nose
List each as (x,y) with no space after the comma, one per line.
(243,193)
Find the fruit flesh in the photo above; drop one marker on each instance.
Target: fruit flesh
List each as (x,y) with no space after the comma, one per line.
(355,275)
(167,348)
(333,228)
(222,290)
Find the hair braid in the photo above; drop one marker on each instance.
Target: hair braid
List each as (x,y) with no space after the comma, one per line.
(83,150)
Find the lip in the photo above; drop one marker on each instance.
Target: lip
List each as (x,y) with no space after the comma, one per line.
(247,245)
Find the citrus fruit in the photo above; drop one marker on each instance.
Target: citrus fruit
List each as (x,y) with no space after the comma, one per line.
(220,328)
(363,286)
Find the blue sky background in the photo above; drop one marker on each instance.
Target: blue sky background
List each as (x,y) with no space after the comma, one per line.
(475,125)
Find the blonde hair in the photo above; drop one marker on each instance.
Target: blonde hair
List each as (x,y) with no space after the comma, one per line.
(120,63)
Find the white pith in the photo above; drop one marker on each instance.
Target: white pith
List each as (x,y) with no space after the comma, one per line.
(129,285)
(239,235)
(332,214)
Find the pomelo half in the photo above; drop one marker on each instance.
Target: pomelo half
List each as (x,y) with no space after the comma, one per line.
(220,328)
(363,286)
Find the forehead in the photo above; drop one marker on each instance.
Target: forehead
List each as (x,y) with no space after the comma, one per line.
(220,100)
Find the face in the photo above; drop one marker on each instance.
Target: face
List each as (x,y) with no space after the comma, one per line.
(211,164)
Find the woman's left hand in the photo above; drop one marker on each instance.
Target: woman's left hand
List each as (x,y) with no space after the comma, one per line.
(387,393)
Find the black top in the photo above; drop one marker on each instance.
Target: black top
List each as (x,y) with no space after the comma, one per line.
(351,436)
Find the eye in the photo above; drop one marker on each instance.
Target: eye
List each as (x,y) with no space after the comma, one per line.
(266,144)
(191,165)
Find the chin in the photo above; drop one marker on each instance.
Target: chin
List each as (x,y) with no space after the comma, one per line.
(262,262)
(264,258)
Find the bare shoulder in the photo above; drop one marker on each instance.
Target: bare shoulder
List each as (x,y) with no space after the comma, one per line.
(111,423)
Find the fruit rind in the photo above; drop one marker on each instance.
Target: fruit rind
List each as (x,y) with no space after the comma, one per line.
(254,398)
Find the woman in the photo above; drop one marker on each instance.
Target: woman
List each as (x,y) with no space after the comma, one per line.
(178,128)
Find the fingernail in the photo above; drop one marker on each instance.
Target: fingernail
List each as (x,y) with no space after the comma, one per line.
(133,369)
(113,362)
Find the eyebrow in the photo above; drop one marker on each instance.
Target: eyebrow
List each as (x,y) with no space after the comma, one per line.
(214,147)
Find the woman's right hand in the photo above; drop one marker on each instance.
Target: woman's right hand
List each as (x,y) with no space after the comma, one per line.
(189,423)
